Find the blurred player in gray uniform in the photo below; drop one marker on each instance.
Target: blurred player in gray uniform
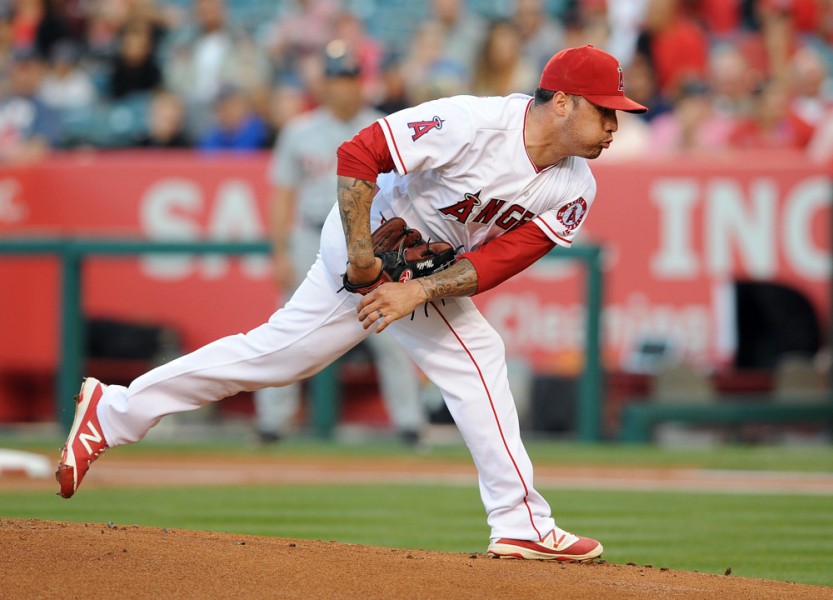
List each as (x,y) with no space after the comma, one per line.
(303,174)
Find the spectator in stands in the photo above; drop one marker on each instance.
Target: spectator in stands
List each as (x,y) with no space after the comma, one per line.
(5,45)
(772,125)
(428,74)
(29,129)
(625,20)
(460,32)
(692,127)
(394,95)
(500,68)
(37,25)
(675,43)
(107,21)
(785,25)
(211,52)
(540,33)
(777,35)
(288,100)
(368,51)
(820,146)
(135,69)
(642,88)
(424,51)
(586,22)
(733,81)
(24,20)
(101,40)
(166,122)
(159,18)
(723,20)
(299,33)
(811,85)
(66,85)
(237,126)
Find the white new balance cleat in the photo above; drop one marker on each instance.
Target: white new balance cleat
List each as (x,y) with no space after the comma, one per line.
(556,545)
(85,442)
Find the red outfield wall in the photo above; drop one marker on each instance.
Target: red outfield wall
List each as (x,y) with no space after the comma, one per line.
(673,232)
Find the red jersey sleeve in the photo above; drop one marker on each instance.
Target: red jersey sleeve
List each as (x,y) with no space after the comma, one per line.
(507,255)
(366,155)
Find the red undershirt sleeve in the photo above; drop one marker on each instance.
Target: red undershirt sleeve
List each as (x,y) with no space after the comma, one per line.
(507,255)
(366,155)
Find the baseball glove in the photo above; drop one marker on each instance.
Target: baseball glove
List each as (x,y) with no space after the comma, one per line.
(393,234)
(405,256)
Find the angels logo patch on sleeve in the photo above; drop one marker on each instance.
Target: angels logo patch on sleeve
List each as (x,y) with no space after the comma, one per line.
(420,128)
(429,135)
(571,215)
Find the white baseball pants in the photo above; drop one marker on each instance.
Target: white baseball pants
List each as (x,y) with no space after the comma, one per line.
(398,381)
(454,346)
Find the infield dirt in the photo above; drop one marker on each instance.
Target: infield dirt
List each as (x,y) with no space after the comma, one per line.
(48,559)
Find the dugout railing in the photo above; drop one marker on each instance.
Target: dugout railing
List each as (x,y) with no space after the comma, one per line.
(729,410)
(72,253)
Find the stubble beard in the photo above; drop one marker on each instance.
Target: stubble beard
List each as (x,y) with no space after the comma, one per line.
(575,142)
(593,153)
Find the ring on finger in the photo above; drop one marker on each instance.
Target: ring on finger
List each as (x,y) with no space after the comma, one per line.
(379,312)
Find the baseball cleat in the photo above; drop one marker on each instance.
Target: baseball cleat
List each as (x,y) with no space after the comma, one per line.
(556,545)
(85,442)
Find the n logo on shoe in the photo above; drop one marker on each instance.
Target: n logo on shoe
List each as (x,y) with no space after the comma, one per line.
(86,438)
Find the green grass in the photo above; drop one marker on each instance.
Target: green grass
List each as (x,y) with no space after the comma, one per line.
(815,458)
(779,537)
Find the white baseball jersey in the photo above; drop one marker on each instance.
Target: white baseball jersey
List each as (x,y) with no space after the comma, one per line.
(463,174)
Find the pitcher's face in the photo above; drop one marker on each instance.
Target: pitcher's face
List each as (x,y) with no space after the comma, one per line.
(589,129)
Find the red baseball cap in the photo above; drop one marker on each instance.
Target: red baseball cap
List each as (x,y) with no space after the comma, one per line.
(592,73)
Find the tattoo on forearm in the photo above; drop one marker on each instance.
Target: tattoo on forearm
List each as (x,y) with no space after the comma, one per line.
(354,198)
(460,279)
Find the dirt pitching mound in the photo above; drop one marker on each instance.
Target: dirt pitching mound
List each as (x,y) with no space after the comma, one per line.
(48,559)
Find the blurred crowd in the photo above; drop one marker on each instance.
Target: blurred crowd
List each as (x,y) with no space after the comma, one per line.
(228,74)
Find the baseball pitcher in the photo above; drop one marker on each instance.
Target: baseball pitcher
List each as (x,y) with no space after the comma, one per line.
(500,181)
